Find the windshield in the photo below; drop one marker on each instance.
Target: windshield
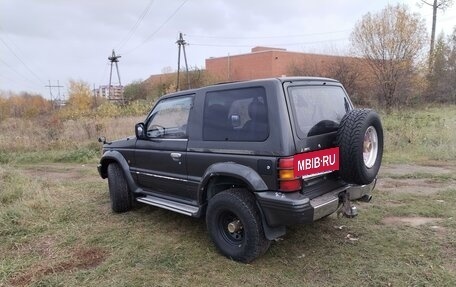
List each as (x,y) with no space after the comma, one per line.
(317,109)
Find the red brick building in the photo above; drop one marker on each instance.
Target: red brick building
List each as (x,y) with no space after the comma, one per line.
(266,62)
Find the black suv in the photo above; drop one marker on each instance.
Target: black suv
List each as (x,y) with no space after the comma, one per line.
(252,157)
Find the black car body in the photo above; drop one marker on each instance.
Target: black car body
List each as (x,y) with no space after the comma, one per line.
(240,136)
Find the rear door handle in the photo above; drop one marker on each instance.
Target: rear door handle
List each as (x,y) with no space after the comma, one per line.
(176,156)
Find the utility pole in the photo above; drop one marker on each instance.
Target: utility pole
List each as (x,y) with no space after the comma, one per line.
(58,90)
(181,45)
(50,89)
(95,96)
(114,60)
(436,5)
(58,86)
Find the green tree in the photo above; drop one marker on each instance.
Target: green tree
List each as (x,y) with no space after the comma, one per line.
(451,62)
(135,91)
(442,71)
(436,5)
(437,77)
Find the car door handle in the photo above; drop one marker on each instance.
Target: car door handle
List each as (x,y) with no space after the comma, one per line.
(176,156)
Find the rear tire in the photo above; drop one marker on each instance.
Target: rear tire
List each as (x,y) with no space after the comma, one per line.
(121,197)
(360,140)
(234,224)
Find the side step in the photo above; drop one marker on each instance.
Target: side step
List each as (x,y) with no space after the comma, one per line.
(182,208)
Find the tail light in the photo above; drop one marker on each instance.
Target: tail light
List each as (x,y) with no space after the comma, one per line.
(288,182)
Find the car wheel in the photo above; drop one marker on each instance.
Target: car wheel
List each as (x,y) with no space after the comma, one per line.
(121,197)
(360,140)
(234,224)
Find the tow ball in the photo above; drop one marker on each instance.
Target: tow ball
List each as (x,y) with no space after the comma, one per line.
(348,209)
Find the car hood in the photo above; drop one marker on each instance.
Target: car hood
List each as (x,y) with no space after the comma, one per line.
(125,143)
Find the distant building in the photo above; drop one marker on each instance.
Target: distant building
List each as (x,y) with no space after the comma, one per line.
(269,62)
(266,62)
(103,92)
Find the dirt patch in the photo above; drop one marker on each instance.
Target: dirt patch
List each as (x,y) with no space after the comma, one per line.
(81,258)
(414,186)
(404,169)
(410,221)
(58,171)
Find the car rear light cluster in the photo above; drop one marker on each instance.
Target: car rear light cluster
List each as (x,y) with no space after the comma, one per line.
(288,182)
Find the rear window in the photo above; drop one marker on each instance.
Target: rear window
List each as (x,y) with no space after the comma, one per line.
(317,109)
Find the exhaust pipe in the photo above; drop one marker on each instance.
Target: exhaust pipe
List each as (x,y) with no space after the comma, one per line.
(366,198)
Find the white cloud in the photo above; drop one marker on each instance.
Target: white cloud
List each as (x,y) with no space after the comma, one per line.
(67,39)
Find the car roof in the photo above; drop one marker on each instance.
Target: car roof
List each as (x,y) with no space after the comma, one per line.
(234,83)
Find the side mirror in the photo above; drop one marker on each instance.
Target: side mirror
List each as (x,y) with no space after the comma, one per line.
(140,131)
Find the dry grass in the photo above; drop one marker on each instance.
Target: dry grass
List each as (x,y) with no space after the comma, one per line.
(57,229)
(52,140)
(49,133)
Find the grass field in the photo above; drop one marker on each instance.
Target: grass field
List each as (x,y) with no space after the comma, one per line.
(57,229)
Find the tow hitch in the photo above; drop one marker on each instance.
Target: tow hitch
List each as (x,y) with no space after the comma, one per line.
(348,209)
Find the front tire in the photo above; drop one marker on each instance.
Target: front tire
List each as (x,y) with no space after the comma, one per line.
(121,197)
(234,224)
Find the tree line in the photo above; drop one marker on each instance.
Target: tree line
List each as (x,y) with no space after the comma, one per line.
(388,68)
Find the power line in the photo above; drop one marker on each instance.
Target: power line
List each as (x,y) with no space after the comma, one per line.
(58,86)
(19,74)
(158,29)
(17,48)
(104,72)
(266,37)
(133,29)
(18,83)
(20,60)
(274,45)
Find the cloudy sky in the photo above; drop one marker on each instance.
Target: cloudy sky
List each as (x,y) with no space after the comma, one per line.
(58,40)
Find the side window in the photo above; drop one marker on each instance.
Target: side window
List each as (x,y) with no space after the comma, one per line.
(169,118)
(236,115)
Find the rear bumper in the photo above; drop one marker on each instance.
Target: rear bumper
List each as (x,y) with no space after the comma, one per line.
(294,208)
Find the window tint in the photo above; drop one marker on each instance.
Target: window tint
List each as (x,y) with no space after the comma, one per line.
(236,115)
(169,118)
(317,109)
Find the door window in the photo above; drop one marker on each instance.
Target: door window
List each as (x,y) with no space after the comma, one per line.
(169,118)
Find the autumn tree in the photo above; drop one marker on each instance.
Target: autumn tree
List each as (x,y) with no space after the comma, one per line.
(390,42)
(4,109)
(344,69)
(79,97)
(23,105)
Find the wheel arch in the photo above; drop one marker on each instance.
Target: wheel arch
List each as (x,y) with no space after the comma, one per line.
(113,156)
(226,174)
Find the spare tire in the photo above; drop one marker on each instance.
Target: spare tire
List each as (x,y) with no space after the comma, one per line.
(360,140)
